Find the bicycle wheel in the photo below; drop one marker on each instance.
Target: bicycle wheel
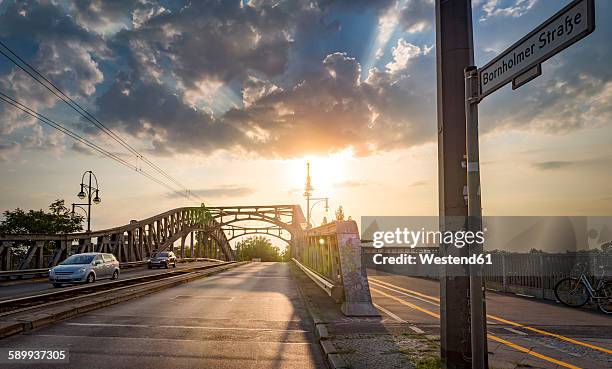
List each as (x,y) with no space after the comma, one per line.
(571,292)
(604,301)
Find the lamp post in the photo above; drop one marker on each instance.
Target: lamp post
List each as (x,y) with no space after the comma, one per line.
(87,190)
(308,195)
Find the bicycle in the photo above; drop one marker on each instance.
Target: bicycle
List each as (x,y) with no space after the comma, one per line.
(576,292)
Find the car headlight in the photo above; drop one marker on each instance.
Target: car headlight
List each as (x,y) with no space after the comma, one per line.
(82,270)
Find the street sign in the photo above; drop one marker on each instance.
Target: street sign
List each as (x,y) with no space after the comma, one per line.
(566,27)
(527,77)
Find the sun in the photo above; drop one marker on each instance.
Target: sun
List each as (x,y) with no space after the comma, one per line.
(326,171)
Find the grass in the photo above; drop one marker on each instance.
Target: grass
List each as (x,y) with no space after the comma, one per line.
(429,363)
(346,351)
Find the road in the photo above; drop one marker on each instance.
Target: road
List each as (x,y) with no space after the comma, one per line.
(522,331)
(15,289)
(247,317)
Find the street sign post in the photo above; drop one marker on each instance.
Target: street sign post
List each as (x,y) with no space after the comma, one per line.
(566,27)
(520,63)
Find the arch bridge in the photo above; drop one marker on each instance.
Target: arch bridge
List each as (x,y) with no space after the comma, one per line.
(198,231)
(330,254)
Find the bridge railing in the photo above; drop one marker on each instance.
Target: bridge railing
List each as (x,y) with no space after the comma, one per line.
(131,242)
(331,256)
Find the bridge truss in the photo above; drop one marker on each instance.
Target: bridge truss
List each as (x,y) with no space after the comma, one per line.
(199,232)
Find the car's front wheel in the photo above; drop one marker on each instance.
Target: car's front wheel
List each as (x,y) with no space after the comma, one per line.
(91,278)
(115,274)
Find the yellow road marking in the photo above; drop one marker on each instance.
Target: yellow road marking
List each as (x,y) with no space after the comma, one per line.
(531,352)
(494,338)
(430,313)
(405,290)
(502,320)
(602,349)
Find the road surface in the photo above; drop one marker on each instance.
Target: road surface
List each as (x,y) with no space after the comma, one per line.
(522,331)
(247,317)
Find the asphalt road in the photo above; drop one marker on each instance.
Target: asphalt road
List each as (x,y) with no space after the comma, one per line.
(247,317)
(15,289)
(523,332)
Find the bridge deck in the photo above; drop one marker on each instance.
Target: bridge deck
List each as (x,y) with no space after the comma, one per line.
(249,317)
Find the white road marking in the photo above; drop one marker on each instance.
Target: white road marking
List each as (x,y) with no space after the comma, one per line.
(397,318)
(416,329)
(516,331)
(160,339)
(185,327)
(157,317)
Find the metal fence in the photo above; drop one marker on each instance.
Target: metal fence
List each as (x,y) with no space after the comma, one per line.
(532,274)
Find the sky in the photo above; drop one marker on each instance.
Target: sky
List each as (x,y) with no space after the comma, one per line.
(231,98)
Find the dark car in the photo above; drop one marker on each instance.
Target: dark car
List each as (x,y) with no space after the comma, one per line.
(162,259)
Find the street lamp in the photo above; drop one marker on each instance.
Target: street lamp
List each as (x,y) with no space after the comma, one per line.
(87,190)
(308,195)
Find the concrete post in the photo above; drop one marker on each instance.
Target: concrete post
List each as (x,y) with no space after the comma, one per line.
(192,249)
(183,247)
(40,257)
(199,245)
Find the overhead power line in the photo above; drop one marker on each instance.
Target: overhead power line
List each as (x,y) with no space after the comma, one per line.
(44,119)
(51,87)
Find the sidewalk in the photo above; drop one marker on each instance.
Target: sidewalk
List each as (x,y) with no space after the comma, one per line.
(366,343)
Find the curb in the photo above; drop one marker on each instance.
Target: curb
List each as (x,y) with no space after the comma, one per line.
(42,318)
(334,360)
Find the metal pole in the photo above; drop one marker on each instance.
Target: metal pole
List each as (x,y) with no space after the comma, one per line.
(478,323)
(89,204)
(454,51)
(307,194)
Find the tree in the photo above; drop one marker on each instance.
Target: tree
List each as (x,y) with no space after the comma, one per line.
(58,220)
(258,247)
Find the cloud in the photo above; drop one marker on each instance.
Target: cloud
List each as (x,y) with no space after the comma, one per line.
(403,53)
(64,53)
(334,110)
(417,16)
(7,150)
(590,162)
(111,16)
(419,183)
(351,183)
(218,192)
(214,76)
(506,8)
(38,139)
(552,165)
(157,115)
(254,89)
(243,77)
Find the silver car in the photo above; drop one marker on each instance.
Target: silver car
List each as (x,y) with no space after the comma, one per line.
(85,268)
